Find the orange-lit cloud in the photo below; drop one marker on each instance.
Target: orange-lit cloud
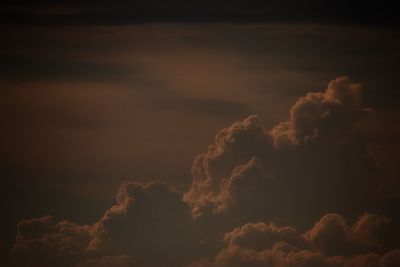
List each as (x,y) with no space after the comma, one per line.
(252,192)
(298,166)
(261,244)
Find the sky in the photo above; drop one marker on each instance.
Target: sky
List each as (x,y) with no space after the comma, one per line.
(202,133)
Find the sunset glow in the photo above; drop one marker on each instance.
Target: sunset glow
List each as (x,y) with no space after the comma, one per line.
(169,133)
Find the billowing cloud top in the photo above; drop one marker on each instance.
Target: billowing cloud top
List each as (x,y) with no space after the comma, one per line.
(316,153)
(330,113)
(284,197)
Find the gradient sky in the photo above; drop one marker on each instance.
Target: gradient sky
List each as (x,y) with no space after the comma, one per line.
(92,95)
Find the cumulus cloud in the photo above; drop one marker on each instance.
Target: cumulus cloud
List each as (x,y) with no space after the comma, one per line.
(363,260)
(329,234)
(249,179)
(230,161)
(390,259)
(371,231)
(147,220)
(327,243)
(259,236)
(329,113)
(42,242)
(297,165)
(149,225)
(233,145)
(237,256)
(333,235)
(248,183)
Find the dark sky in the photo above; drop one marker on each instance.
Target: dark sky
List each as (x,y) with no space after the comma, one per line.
(271,128)
(123,12)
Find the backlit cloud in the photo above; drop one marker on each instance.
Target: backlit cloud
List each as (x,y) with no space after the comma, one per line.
(284,197)
(147,220)
(263,244)
(318,152)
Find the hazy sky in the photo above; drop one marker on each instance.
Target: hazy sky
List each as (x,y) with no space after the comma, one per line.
(271,127)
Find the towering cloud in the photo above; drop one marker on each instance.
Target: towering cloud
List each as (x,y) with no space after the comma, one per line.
(298,165)
(211,171)
(312,172)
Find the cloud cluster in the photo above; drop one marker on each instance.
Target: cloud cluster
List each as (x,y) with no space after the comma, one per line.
(42,242)
(299,164)
(148,219)
(281,256)
(324,245)
(330,242)
(314,165)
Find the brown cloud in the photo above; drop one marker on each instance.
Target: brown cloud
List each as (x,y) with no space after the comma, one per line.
(41,242)
(217,171)
(315,162)
(150,225)
(236,256)
(325,244)
(301,163)
(259,236)
(107,261)
(322,114)
(363,260)
(333,235)
(371,231)
(390,259)
(329,234)
(149,222)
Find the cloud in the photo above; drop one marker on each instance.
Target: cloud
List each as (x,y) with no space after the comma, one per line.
(107,261)
(148,219)
(390,259)
(334,236)
(150,222)
(236,256)
(265,244)
(151,225)
(299,164)
(363,260)
(225,163)
(329,234)
(371,231)
(314,165)
(42,242)
(322,114)
(246,185)
(259,236)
